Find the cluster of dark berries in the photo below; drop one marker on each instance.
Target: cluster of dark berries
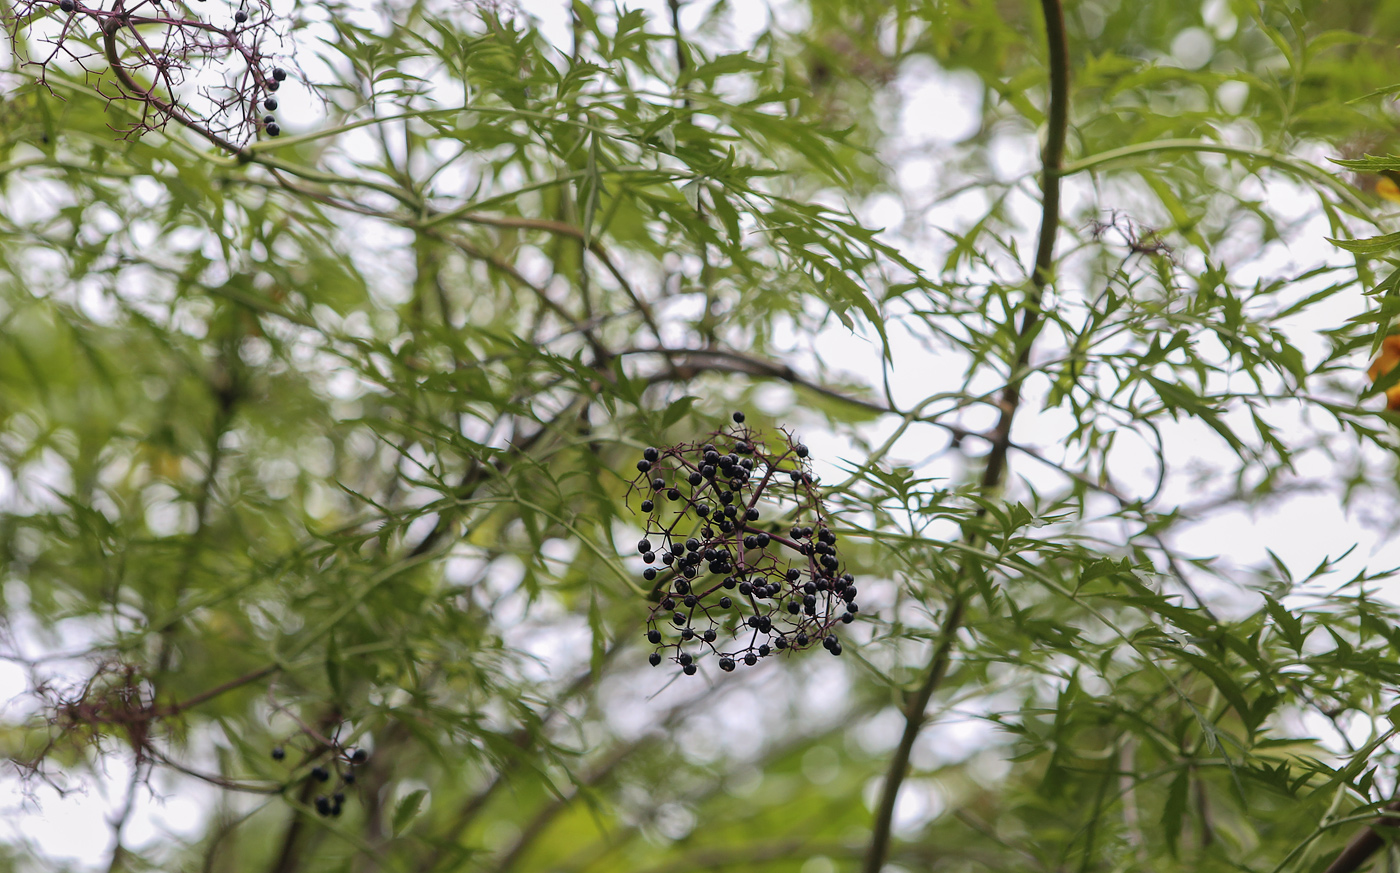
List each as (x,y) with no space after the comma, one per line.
(333,804)
(270,103)
(728,553)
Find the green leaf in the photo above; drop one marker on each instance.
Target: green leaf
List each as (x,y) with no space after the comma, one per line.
(1174,810)
(677,410)
(407,809)
(1288,624)
(1375,245)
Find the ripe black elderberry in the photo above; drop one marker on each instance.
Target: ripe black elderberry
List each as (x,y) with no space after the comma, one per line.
(270,104)
(320,774)
(240,16)
(783,582)
(278,74)
(66,5)
(278,753)
(359,756)
(654,659)
(273,130)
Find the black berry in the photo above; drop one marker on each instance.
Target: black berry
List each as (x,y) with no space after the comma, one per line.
(725,603)
(643,466)
(240,16)
(278,753)
(653,636)
(738,418)
(689,669)
(654,659)
(650,453)
(279,74)
(649,573)
(726,664)
(273,129)
(66,5)
(320,774)
(648,506)
(801,450)
(750,659)
(270,104)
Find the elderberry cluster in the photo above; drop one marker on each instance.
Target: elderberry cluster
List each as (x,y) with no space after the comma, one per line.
(333,804)
(269,121)
(737,545)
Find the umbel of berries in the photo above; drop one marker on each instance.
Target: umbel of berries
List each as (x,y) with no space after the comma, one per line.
(739,551)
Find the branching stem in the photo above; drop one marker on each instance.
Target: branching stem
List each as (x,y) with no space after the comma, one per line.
(994,472)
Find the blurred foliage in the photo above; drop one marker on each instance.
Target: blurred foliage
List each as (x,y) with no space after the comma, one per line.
(326,446)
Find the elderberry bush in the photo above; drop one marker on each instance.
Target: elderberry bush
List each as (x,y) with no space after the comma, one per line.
(739,552)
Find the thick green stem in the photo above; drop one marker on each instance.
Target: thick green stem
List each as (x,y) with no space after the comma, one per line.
(995,470)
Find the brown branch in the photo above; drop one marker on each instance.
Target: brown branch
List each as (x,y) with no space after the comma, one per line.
(134,89)
(196,700)
(1366,843)
(689,363)
(914,715)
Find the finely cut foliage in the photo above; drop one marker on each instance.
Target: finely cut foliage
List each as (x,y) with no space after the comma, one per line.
(333,337)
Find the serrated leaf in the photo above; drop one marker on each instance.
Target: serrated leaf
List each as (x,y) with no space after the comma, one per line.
(1373,245)
(407,809)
